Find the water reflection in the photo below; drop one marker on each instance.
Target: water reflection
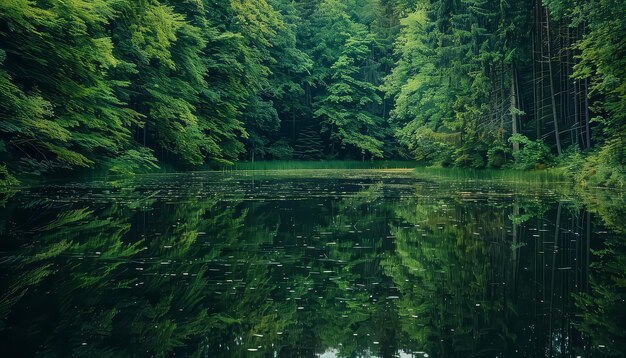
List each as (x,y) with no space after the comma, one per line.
(379,264)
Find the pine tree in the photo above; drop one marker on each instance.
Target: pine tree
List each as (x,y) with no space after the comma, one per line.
(344,109)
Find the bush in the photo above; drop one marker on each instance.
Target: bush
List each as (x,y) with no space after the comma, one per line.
(532,154)
(280,150)
(572,160)
(433,147)
(597,171)
(497,155)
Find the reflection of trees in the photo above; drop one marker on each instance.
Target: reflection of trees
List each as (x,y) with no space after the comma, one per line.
(602,305)
(115,291)
(337,254)
(479,276)
(442,268)
(151,270)
(6,193)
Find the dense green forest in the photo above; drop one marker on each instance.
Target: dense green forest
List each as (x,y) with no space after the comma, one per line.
(130,85)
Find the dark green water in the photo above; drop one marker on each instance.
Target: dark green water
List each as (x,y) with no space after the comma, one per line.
(330,263)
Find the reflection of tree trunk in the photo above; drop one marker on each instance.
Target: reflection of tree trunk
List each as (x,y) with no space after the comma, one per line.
(540,292)
(515,227)
(554,252)
(516,263)
(588,251)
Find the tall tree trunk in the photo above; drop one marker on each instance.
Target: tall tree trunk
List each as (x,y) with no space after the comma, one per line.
(570,99)
(540,87)
(514,130)
(552,94)
(535,105)
(577,114)
(503,96)
(587,126)
(293,124)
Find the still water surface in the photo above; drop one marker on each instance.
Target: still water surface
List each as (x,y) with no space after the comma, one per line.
(325,263)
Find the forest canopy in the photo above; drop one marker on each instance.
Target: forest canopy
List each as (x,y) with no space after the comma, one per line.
(129,85)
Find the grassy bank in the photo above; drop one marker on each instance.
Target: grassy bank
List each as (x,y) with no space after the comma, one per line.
(581,172)
(331,164)
(501,175)
(421,171)
(545,176)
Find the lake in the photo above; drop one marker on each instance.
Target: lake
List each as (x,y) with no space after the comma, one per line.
(330,263)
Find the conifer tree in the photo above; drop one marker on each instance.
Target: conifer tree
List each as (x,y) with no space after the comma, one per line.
(344,109)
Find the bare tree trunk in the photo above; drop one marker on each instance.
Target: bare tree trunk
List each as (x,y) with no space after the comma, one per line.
(570,99)
(503,96)
(540,91)
(514,130)
(552,94)
(587,127)
(577,114)
(535,109)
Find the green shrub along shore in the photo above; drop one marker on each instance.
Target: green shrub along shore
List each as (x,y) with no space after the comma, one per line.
(126,87)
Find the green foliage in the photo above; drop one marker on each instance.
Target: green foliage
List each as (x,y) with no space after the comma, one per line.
(532,154)
(430,146)
(449,75)
(59,109)
(100,83)
(280,150)
(497,155)
(133,161)
(343,109)
(124,85)
(594,169)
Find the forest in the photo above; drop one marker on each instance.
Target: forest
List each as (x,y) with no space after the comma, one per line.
(128,86)
(489,238)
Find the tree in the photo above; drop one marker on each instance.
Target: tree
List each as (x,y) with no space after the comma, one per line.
(59,109)
(344,109)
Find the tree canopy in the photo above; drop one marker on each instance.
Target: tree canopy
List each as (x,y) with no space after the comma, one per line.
(126,86)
